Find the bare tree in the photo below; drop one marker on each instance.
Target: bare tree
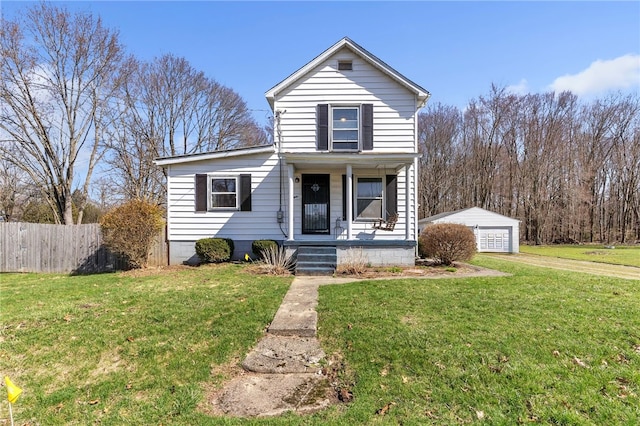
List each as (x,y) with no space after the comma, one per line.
(543,121)
(597,141)
(569,171)
(56,74)
(438,139)
(12,191)
(624,171)
(168,108)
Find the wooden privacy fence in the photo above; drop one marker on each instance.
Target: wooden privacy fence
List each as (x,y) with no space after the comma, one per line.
(35,247)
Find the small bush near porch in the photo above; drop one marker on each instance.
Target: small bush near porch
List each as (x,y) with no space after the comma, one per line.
(446,243)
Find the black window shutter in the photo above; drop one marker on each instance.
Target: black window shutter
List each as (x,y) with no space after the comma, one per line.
(367,127)
(201,193)
(322,123)
(344,197)
(245,193)
(392,195)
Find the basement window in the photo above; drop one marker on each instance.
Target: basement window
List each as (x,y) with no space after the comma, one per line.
(345,65)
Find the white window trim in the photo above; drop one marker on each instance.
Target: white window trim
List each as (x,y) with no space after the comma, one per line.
(357,107)
(383,199)
(210,206)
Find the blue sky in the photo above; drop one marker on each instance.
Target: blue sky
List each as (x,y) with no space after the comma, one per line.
(456,50)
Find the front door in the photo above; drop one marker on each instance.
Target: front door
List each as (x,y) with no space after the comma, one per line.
(315,204)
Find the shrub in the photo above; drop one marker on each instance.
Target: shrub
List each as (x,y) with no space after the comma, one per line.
(277,261)
(214,250)
(354,262)
(258,247)
(447,242)
(130,229)
(232,246)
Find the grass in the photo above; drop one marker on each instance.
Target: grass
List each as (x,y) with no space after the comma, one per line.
(620,255)
(127,349)
(541,346)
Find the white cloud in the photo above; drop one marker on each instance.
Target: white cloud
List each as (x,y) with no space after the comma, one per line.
(601,76)
(522,88)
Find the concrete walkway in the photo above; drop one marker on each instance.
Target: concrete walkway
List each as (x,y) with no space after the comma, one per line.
(283,370)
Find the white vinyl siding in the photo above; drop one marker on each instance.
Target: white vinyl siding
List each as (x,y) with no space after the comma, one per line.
(389,100)
(394,106)
(186,225)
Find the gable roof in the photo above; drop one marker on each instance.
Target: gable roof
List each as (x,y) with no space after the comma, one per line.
(478,210)
(234,152)
(421,93)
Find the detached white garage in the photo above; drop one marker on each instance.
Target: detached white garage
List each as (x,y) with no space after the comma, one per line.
(494,232)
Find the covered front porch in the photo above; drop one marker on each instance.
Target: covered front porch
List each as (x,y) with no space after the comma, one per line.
(336,203)
(342,197)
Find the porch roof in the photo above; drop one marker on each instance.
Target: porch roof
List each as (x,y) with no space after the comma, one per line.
(360,159)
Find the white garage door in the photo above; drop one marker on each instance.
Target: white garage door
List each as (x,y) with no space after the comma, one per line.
(495,239)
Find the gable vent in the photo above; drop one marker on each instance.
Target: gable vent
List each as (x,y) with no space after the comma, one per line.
(345,65)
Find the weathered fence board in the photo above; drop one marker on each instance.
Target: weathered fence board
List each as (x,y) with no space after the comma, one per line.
(35,247)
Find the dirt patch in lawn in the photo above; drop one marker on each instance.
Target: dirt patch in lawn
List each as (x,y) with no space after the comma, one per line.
(423,269)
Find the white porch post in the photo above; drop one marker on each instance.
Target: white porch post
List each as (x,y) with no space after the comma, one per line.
(349,198)
(290,202)
(407,202)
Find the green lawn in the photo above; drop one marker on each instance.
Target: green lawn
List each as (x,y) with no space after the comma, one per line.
(123,349)
(620,255)
(540,346)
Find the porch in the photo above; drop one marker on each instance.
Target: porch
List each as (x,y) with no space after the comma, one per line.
(346,199)
(323,257)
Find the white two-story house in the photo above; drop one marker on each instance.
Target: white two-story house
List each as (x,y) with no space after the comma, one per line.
(340,175)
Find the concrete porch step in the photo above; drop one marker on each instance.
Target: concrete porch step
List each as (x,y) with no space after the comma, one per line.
(316,260)
(315,270)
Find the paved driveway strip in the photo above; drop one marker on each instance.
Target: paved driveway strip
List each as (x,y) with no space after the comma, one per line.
(594,268)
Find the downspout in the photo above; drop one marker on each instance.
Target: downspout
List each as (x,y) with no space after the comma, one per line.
(280,213)
(416,174)
(166,225)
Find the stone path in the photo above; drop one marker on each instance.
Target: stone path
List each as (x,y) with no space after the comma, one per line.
(284,371)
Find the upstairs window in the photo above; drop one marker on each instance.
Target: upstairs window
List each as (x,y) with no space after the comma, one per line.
(345,128)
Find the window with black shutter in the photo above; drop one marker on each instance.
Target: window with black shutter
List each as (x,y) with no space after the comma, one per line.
(213,192)
(344,127)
